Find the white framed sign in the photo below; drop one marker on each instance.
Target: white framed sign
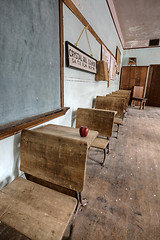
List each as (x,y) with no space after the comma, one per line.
(78,59)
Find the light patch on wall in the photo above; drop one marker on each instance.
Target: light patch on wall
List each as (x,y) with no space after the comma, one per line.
(134,43)
(78,5)
(144,34)
(135,28)
(157,32)
(129,39)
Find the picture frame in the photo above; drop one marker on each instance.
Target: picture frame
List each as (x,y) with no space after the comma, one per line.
(77,59)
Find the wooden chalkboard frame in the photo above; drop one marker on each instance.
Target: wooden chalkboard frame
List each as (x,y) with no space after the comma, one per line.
(17,126)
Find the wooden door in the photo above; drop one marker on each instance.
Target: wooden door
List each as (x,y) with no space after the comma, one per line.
(133,76)
(153,87)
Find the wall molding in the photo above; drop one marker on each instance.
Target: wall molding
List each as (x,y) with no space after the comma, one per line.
(82,19)
(115,20)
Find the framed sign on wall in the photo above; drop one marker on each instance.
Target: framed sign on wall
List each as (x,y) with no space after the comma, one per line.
(132,61)
(76,58)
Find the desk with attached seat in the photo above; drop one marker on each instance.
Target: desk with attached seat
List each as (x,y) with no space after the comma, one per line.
(32,209)
(113,104)
(98,120)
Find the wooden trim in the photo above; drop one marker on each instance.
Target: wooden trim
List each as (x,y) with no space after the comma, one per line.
(140,47)
(78,14)
(154,65)
(114,24)
(17,126)
(62,51)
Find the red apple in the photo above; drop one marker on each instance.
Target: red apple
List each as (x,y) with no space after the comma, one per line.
(83,131)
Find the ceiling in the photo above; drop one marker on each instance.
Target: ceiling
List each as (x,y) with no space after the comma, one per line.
(138,21)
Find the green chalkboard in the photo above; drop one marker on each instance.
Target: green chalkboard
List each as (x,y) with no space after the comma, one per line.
(30,81)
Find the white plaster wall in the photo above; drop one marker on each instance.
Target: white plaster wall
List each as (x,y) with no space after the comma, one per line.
(80,88)
(145,56)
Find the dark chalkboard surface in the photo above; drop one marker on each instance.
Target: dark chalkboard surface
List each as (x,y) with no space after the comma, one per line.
(29,58)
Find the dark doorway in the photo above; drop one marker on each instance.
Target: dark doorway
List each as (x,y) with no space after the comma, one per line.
(153,88)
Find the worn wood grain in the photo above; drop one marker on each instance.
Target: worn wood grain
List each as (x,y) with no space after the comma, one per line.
(133,76)
(138,92)
(102,71)
(72,133)
(96,119)
(125,99)
(114,104)
(56,159)
(35,211)
(7,232)
(100,120)
(118,121)
(100,143)
(123,93)
(50,185)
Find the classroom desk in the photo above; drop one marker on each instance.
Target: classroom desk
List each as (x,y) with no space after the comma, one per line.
(68,132)
(7,232)
(141,100)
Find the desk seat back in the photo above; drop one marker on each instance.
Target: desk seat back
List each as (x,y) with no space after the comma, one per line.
(138,91)
(58,160)
(123,94)
(119,96)
(96,119)
(124,91)
(114,104)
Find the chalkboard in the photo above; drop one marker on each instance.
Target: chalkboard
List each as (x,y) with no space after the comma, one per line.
(30,70)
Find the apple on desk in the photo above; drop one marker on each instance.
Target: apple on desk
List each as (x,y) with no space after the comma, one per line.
(83,130)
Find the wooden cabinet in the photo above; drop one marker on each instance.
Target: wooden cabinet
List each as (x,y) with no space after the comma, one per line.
(133,76)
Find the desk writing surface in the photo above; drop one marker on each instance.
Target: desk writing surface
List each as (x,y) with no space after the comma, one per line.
(37,212)
(67,132)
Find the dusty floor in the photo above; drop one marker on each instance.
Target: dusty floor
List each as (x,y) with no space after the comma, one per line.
(124,196)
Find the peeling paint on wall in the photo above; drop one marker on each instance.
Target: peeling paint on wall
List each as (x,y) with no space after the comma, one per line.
(135,28)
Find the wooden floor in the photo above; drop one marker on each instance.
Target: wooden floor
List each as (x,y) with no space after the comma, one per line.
(124,196)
